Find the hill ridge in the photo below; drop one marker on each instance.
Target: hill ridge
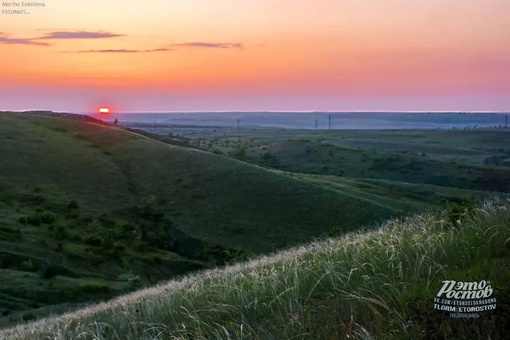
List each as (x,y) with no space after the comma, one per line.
(99,211)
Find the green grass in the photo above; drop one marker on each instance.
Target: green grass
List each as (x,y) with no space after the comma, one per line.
(214,198)
(90,211)
(395,194)
(465,159)
(370,284)
(83,202)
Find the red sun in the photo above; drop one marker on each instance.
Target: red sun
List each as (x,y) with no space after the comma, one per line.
(104,110)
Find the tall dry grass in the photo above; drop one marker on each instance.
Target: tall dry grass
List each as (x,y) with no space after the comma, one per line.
(370,284)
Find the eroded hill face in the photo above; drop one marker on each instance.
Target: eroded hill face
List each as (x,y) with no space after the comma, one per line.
(89,211)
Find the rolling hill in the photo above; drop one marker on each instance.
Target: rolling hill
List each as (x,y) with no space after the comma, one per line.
(89,210)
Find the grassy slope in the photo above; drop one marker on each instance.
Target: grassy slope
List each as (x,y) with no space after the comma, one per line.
(393,194)
(212,197)
(405,166)
(47,162)
(473,146)
(467,159)
(379,283)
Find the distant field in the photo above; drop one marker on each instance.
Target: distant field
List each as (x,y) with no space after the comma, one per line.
(312,120)
(473,159)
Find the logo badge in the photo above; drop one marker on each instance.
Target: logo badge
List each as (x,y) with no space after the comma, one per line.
(465,299)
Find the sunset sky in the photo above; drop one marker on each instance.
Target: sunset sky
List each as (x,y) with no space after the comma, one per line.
(216,55)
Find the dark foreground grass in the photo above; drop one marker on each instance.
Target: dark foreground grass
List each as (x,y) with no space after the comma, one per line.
(374,284)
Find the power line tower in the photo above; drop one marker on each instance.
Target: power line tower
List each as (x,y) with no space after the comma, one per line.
(329,122)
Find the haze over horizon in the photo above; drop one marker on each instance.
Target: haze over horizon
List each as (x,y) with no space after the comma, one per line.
(269,55)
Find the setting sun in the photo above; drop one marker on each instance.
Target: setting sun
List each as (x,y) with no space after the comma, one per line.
(104,110)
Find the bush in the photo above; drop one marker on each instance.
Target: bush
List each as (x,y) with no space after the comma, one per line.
(219,255)
(13,235)
(334,232)
(93,240)
(142,247)
(73,205)
(76,238)
(150,208)
(270,160)
(125,230)
(52,267)
(58,231)
(134,280)
(34,220)
(455,213)
(111,247)
(27,316)
(48,217)
(239,153)
(94,288)
(94,226)
(27,266)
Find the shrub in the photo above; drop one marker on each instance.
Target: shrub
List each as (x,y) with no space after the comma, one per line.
(455,213)
(150,208)
(93,240)
(27,266)
(219,255)
(142,247)
(76,238)
(52,267)
(94,226)
(60,246)
(110,247)
(34,220)
(334,232)
(134,280)
(125,230)
(73,205)
(13,235)
(27,316)
(48,217)
(58,231)
(94,288)
(270,160)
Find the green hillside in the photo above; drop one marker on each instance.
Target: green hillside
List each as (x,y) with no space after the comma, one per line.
(365,285)
(212,197)
(88,211)
(466,159)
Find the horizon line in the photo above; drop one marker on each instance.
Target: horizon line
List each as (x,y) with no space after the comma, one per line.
(265,111)
(308,111)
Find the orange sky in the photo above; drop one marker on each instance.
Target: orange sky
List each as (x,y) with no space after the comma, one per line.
(256,55)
